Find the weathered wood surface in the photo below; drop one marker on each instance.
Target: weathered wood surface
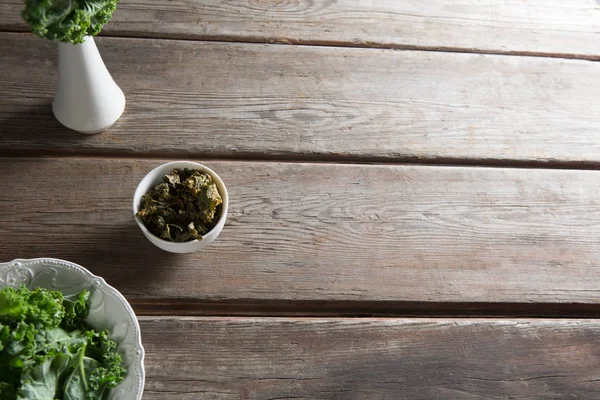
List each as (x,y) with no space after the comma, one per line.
(371,359)
(320,232)
(557,27)
(248,100)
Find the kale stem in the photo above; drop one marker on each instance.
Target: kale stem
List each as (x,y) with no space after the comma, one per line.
(81,368)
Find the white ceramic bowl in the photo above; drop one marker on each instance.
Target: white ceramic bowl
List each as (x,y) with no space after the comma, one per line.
(155,177)
(108,310)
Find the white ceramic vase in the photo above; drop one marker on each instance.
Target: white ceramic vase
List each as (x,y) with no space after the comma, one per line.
(87,99)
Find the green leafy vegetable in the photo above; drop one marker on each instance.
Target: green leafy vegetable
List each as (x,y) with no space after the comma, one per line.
(77,308)
(48,351)
(67,20)
(185,206)
(43,308)
(40,382)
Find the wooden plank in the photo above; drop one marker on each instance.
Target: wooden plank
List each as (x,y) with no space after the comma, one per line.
(324,232)
(247,100)
(556,27)
(370,359)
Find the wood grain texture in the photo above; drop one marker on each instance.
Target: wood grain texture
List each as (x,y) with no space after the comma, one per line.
(247,100)
(569,29)
(373,359)
(324,232)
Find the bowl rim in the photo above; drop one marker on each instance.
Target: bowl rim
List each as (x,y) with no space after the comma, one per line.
(97,281)
(205,169)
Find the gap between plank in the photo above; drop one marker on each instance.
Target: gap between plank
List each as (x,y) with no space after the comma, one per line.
(455,320)
(342,44)
(307,159)
(358,309)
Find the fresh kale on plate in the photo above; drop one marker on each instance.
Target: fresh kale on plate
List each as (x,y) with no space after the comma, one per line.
(49,352)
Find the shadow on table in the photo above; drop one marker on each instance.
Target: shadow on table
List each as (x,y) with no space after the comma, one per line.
(125,258)
(115,250)
(35,127)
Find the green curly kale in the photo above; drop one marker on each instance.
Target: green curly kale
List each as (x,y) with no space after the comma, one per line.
(185,206)
(40,307)
(48,351)
(67,20)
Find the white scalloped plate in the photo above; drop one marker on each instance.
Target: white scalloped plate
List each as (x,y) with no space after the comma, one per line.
(109,310)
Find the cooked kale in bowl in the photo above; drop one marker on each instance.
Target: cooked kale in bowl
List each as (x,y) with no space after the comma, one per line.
(184,207)
(181,206)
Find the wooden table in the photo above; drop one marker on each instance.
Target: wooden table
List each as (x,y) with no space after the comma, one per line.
(414,193)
